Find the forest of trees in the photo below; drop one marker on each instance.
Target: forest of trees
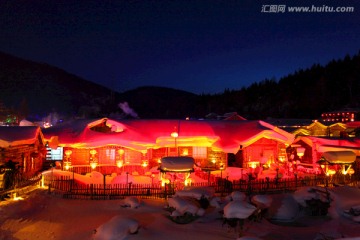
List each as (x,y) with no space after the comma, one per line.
(304,94)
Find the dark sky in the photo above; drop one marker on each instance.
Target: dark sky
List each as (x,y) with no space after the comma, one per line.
(198,46)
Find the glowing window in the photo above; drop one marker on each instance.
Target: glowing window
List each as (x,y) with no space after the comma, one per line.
(106,155)
(199,152)
(110,153)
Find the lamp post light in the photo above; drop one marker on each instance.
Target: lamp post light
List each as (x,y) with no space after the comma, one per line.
(221,169)
(300,151)
(214,162)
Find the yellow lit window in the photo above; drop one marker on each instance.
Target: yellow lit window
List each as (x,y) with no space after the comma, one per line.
(199,152)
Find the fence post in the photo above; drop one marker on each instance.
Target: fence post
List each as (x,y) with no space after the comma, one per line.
(249,185)
(129,188)
(104,186)
(222,186)
(91,190)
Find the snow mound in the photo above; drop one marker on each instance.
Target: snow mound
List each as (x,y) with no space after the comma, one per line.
(237,195)
(238,209)
(356,219)
(284,208)
(262,201)
(215,202)
(196,192)
(307,193)
(116,228)
(132,202)
(183,206)
(200,212)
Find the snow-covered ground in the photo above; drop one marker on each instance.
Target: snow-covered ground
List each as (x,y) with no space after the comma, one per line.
(45,216)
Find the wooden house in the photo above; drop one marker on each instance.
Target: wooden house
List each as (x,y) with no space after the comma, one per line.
(315,147)
(24,146)
(139,145)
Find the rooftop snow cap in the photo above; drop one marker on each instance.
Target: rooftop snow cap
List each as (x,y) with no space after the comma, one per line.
(338,157)
(177,164)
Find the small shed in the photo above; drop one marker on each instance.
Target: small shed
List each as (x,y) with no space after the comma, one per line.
(343,159)
(338,157)
(177,164)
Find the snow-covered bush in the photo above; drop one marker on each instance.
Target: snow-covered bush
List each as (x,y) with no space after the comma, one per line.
(262,201)
(236,212)
(284,208)
(132,202)
(184,210)
(215,202)
(182,205)
(236,195)
(238,209)
(307,193)
(116,228)
(315,200)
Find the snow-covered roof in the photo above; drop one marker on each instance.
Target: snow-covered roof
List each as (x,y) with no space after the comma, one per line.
(140,135)
(323,144)
(16,135)
(339,157)
(177,164)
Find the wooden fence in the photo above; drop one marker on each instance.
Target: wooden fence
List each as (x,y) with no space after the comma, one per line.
(71,189)
(21,186)
(68,188)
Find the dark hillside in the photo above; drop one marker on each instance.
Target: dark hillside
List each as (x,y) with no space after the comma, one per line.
(41,89)
(159,102)
(45,88)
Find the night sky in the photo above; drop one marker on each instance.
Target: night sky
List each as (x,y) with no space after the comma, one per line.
(198,46)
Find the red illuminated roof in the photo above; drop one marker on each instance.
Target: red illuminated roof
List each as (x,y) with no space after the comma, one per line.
(141,135)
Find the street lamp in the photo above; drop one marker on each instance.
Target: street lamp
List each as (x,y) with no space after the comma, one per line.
(214,162)
(221,169)
(300,151)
